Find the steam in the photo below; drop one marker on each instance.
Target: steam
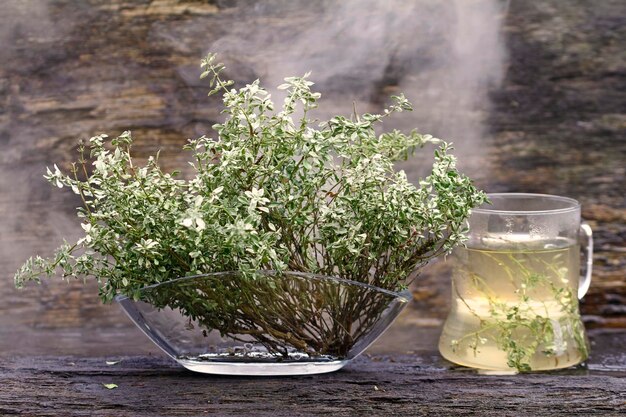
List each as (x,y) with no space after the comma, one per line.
(25,20)
(445,57)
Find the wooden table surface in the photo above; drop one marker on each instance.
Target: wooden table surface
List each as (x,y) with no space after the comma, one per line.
(401,375)
(554,124)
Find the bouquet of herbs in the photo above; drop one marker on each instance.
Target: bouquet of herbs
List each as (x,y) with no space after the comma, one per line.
(273,190)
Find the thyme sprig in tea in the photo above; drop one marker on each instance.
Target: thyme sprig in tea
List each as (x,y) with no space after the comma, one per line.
(536,323)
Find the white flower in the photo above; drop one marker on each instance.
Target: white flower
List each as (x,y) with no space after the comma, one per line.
(146,245)
(86,239)
(54,177)
(257,201)
(195,221)
(100,165)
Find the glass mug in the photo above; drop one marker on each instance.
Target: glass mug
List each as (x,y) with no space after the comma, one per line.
(516,285)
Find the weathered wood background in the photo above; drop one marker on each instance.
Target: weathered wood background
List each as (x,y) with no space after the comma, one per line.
(72,69)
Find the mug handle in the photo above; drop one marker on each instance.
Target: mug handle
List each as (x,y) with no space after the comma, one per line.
(586,238)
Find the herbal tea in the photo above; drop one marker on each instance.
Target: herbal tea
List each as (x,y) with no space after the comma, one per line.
(515,305)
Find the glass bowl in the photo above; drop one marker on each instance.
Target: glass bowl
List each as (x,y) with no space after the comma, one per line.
(263,323)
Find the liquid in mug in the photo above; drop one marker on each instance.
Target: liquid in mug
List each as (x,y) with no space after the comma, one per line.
(515,306)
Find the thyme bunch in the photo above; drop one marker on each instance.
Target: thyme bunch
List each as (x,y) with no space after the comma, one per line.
(273,190)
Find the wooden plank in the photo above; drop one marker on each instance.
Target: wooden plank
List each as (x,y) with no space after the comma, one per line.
(379,383)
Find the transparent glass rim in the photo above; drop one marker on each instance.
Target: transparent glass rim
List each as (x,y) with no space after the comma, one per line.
(404,296)
(573,205)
